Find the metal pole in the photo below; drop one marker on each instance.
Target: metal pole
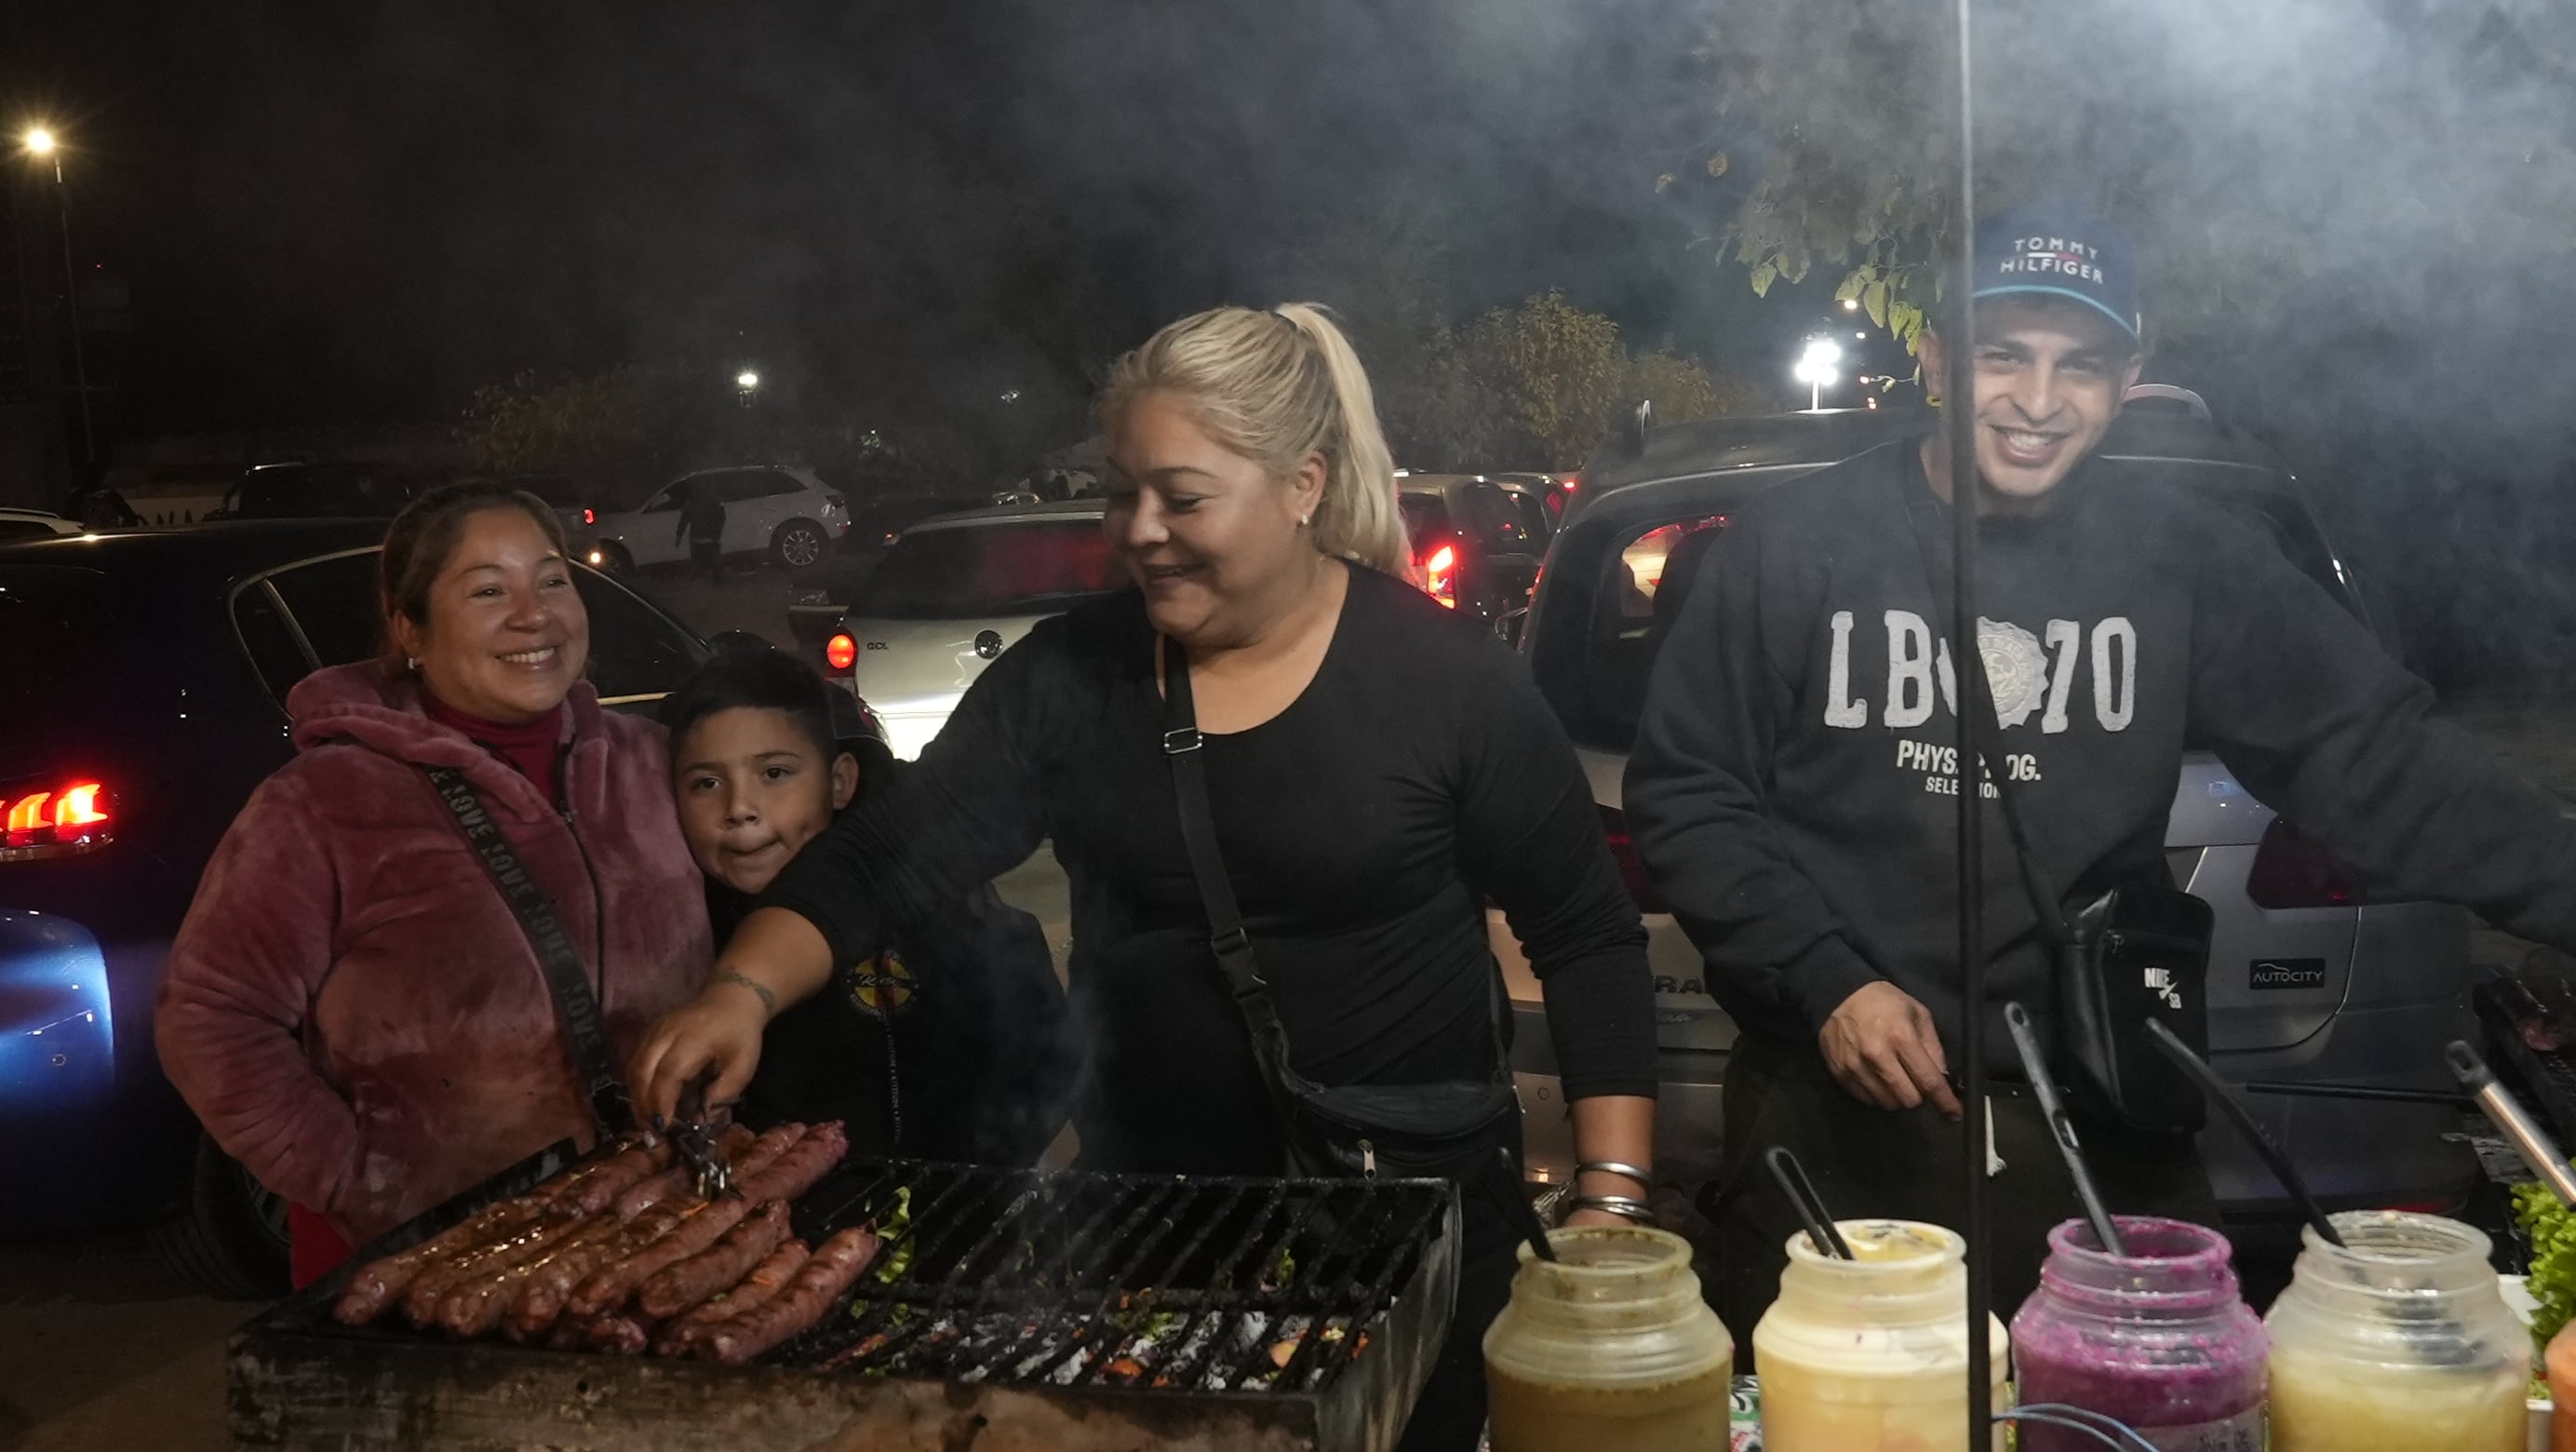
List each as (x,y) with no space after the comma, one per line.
(1815,396)
(71,309)
(1966,491)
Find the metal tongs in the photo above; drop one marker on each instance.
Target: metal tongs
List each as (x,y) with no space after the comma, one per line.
(2507,1114)
(694,1141)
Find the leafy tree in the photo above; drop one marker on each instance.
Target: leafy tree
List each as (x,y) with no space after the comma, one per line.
(2249,148)
(1556,371)
(616,432)
(1535,384)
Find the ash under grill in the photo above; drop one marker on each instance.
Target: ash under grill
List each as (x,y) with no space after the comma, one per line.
(1163,1283)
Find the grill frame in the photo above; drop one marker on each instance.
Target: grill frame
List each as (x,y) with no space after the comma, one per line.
(300,1380)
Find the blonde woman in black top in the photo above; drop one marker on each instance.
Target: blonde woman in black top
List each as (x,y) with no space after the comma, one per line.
(1377,770)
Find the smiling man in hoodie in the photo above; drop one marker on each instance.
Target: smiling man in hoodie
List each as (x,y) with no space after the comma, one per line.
(1794,785)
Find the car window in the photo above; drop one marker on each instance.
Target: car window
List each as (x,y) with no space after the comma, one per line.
(1505,521)
(636,652)
(663,501)
(269,641)
(761,484)
(333,601)
(24,529)
(1038,567)
(1426,517)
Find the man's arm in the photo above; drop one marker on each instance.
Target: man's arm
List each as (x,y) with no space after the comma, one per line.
(1697,810)
(2303,705)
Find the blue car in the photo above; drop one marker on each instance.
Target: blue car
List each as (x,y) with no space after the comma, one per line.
(143,677)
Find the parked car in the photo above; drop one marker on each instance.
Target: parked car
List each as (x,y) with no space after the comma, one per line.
(819,597)
(18,524)
(142,685)
(953,593)
(2315,984)
(784,511)
(1477,538)
(573,508)
(1554,490)
(339,489)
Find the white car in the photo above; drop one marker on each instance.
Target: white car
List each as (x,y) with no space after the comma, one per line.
(952,594)
(18,524)
(784,511)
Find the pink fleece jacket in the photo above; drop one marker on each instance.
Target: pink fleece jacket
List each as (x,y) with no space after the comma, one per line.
(351,1008)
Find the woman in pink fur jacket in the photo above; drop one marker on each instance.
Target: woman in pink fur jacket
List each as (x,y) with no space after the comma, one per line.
(351,1007)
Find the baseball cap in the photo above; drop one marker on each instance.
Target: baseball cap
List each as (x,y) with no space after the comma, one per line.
(2058,250)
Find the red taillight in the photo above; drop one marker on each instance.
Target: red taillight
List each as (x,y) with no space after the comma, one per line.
(67,819)
(1632,869)
(590,516)
(2293,870)
(841,651)
(1440,576)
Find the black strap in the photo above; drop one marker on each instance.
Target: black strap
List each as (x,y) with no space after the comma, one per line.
(1182,743)
(1976,703)
(576,1007)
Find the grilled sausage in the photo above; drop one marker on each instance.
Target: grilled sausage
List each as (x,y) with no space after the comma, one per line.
(614,1176)
(375,1285)
(624,1334)
(682,1284)
(805,1162)
(679,1335)
(808,1295)
(671,1183)
(429,1288)
(611,1285)
(541,1301)
(475,1305)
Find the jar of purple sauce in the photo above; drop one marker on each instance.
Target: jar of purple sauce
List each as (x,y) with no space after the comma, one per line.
(2158,1338)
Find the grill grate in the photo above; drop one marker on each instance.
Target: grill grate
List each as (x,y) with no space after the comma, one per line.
(1198,1284)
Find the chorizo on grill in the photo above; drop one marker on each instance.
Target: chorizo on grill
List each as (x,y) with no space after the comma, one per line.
(836,1265)
(684,1283)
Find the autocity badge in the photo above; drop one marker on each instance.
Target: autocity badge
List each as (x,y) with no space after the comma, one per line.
(2274,974)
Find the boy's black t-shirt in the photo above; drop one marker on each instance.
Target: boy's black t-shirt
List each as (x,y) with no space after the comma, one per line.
(952,1044)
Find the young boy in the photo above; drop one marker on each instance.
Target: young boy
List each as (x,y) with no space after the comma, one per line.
(954,1043)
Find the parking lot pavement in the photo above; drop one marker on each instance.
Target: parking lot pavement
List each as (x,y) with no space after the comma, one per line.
(102,1347)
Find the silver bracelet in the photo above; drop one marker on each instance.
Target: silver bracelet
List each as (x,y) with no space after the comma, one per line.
(1637,1173)
(1626,1207)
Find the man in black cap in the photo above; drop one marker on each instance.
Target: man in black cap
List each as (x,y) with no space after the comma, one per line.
(1794,782)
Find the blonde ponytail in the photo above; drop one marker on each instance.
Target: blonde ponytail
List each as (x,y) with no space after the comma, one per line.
(1274,387)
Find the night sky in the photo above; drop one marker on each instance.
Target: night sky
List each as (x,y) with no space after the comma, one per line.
(361,210)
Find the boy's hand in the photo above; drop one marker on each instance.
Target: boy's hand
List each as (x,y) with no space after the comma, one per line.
(719,1033)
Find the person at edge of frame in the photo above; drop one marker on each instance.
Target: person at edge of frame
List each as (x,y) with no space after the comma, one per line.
(1793,786)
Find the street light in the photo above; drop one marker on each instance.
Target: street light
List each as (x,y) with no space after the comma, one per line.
(1816,369)
(745,385)
(41,143)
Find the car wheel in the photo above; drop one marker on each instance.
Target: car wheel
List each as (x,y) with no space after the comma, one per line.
(798,544)
(613,560)
(228,1234)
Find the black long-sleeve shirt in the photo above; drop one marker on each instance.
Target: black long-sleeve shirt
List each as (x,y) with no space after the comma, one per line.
(1793,786)
(1363,828)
